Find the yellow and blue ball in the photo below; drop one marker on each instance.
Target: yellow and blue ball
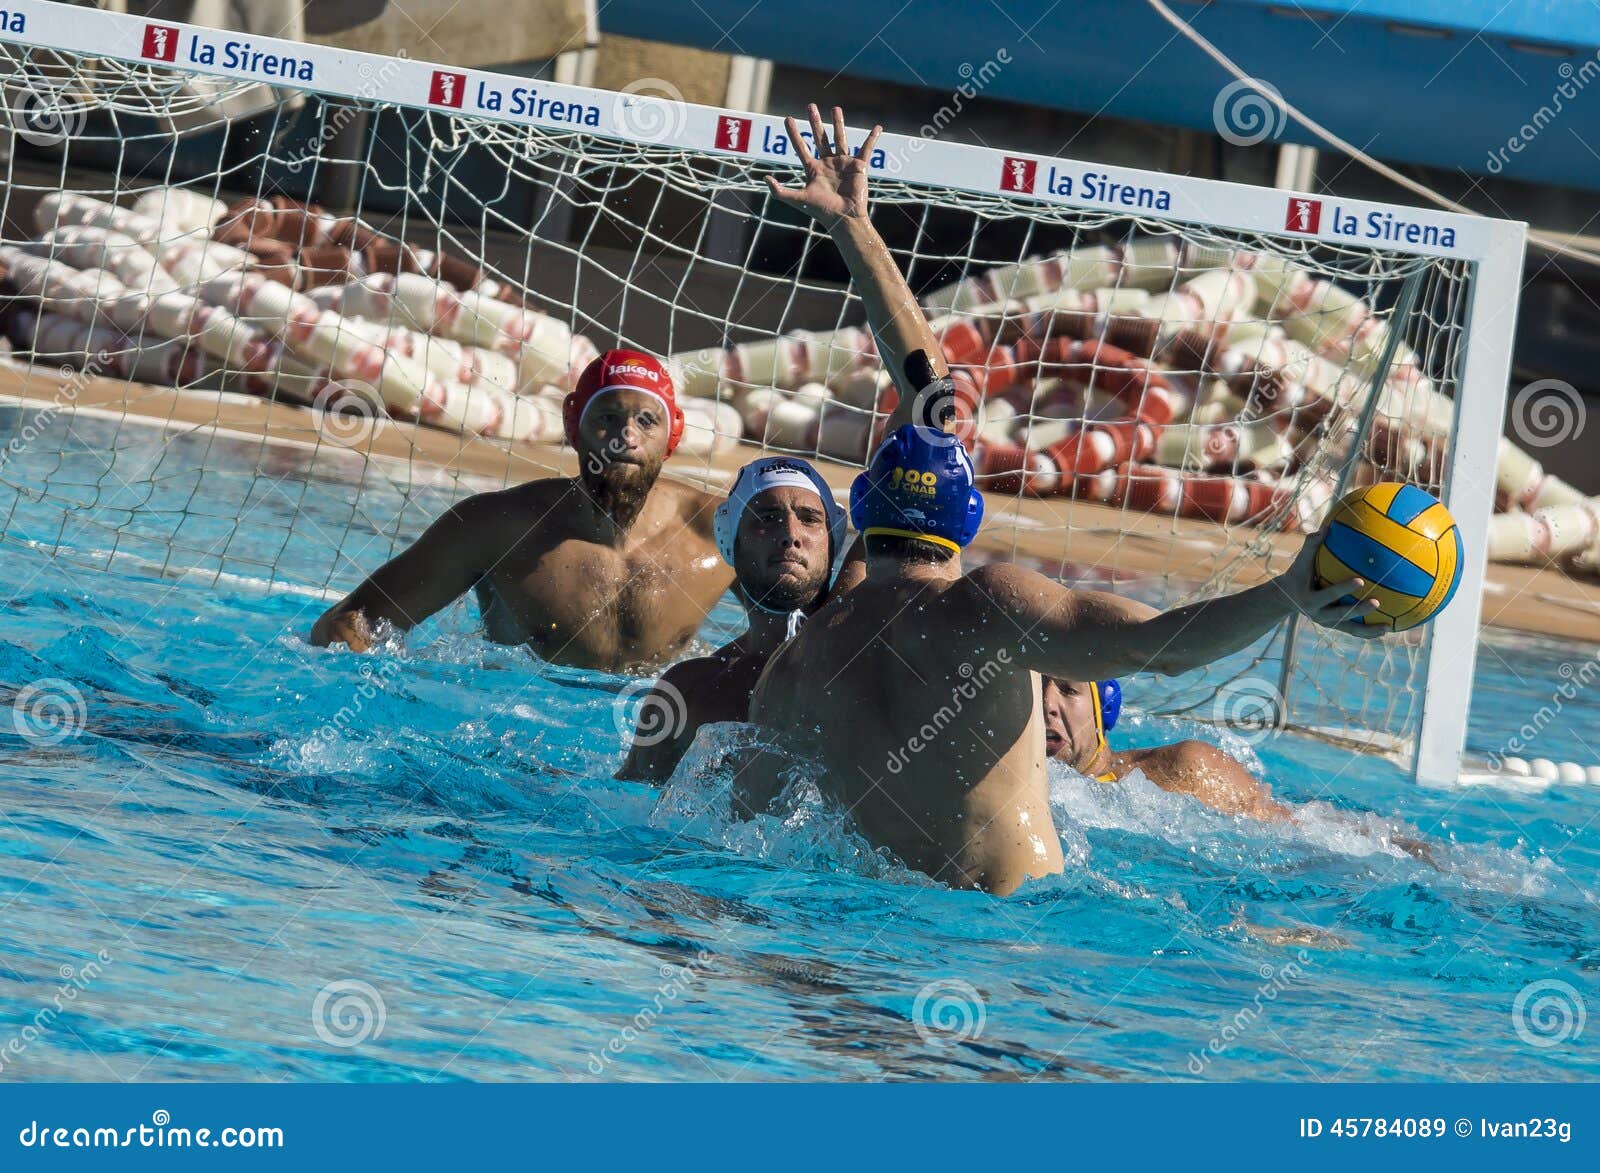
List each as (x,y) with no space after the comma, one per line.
(1403,543)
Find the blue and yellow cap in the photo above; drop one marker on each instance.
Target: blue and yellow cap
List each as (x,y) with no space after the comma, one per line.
(920,484)
(1107,703)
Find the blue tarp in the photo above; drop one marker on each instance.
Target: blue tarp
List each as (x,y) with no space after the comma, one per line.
(1504,87)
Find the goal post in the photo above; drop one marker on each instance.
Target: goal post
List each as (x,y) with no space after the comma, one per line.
(1163,378)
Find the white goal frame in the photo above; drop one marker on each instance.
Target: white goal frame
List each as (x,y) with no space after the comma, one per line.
(1494,248)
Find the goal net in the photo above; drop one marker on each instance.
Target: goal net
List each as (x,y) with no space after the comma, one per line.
(269,341)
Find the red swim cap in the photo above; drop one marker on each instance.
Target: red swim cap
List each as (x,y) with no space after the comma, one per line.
(623,370)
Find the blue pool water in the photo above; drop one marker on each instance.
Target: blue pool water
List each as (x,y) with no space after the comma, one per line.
(260,860)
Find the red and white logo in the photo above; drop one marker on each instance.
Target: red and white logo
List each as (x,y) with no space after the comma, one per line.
(160,42)
(638,370)
(733,134)
(1304,215)
(1017,174)
(446,89)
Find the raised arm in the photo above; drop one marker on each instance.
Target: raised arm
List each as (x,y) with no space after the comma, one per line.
(432,573)
(1091,635)
(835,196)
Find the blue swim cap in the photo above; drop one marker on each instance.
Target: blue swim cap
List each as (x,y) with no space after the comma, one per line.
(920,484)
(1110,693)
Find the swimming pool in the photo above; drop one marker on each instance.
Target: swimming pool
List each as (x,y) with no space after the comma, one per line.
(260,860)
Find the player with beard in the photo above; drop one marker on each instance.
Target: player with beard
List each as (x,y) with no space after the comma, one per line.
(613,569)
(780,529)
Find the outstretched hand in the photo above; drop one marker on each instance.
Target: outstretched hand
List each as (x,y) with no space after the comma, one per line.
(1329,605)
(836,177)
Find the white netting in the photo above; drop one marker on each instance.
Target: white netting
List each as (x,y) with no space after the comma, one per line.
(1158,402)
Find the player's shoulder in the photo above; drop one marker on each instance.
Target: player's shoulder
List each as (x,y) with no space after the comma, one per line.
(498,506)
(1003,586)
(692,673)
(695,507)
(1194,754)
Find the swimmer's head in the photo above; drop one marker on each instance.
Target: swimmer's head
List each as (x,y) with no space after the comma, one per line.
(623,419)
(1077,717)
(780,529)
(919,490)
(627,377)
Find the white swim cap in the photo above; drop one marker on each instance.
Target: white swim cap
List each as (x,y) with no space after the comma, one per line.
(771,472)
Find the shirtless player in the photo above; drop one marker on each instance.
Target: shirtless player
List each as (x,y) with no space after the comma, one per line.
(920,645)
(612,569)
(1077,716)
(763,522)
(780,530)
